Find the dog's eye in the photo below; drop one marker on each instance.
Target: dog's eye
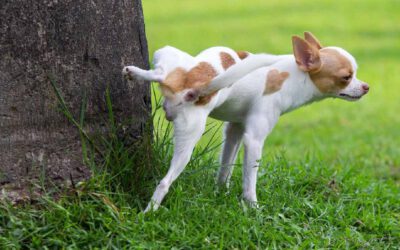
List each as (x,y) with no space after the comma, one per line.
(346,78)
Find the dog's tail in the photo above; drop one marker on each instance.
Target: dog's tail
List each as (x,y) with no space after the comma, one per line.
(239,70)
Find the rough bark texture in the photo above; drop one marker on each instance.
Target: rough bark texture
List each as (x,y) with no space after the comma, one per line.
(84,45)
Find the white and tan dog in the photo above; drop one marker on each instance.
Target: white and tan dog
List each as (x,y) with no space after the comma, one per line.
(249,92)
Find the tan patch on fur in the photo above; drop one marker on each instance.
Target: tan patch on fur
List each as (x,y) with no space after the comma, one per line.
(242,54)
(226,60)
(274,81)
(175,80)
(196,78)
(200,75)
(335,66)
(203,100)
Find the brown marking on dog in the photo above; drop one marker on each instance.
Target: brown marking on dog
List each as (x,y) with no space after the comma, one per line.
(203,100)
(226,60)
(175,80)
(196,78)
(242,54)
(274,81)
(330,77)
(329,70)
(200,75)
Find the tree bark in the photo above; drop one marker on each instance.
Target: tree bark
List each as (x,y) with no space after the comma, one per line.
(84,45)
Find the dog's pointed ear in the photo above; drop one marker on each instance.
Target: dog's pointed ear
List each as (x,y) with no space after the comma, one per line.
(312,40)
(306,55)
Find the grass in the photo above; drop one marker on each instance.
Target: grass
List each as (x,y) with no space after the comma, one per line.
(330,175)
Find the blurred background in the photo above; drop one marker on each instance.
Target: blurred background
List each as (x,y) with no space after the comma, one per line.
(364,133)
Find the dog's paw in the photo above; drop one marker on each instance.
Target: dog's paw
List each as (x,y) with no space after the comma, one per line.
(151,207)
(247,204)
(253,204)
(222,188)
(127,73)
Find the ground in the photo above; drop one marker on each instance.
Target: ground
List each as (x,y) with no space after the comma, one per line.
(330,175)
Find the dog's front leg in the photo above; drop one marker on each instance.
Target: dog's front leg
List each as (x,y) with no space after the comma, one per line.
(187,131)
(256,131)
(233,137)
(252,154)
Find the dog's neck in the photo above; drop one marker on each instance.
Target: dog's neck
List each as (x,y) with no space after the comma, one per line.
(298,89)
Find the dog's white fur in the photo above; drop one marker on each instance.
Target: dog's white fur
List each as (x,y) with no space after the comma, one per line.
(250,115)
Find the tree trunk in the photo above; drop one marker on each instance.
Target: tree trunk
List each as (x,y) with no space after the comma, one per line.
(84,45)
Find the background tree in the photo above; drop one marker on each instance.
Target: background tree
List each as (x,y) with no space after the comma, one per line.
(84,45)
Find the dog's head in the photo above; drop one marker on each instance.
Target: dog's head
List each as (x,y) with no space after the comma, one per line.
(332,69)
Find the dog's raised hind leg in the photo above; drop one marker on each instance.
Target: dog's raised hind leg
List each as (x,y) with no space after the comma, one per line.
(155,75)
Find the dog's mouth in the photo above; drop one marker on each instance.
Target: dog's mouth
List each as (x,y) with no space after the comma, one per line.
(351,97)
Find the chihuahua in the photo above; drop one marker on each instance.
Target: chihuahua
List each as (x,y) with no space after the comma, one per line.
(247,91)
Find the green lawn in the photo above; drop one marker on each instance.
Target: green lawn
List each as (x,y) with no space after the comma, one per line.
(330,175)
